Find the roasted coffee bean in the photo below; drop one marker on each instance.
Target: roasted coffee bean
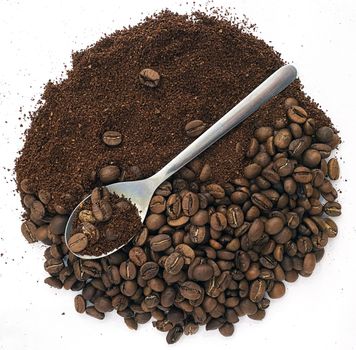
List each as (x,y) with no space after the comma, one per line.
(197,234)
(324,134)
(149,77)
(174,334)
(277,291)
(53,266)
(332,208)
(102,210)
(155,221)
(90,231)
(333,169)
(297,114)
(257,290)
(93,312)
(80,304)
(216,191)
(283,166)
(138,256)
(302,175)
(261,201)
(78,242)
(290,102)
(274,225)
(218,221)
(131,323)
(112,138)
(195,128)
(160,242)
(203,272)
(323,149)
(251,171)
(282,139)
(311,158)
(128,270)
(256,230)
(190,290)
(158,204)
(309,263)
(86,216)
(28,229)
(190,203)
(53,282)
(227,329)
(149,270)
(263,133)
(174,263)
(252,149)
(109,174)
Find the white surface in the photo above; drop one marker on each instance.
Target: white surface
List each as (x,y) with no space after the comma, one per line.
(36,39)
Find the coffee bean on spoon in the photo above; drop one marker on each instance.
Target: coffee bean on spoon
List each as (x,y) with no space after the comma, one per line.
(77,242)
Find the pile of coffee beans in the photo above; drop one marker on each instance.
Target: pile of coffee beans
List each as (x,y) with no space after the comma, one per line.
(103,223)
(224,234)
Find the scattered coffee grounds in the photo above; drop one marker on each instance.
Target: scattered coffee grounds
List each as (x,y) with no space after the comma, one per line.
(103,223)
(224,234)
(203,67)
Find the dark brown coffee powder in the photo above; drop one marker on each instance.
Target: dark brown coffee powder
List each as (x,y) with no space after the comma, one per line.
(206,66)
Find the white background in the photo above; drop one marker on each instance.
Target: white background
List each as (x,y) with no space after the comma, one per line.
(36,40)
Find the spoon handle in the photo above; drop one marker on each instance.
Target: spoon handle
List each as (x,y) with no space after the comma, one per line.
(272,86)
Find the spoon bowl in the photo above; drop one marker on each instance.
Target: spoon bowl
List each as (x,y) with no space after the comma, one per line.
(141,191)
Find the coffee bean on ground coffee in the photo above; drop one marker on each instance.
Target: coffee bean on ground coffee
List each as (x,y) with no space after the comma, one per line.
(224,233)
(103,223)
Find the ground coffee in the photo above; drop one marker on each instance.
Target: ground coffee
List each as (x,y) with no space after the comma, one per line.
(103,223)
(205,65)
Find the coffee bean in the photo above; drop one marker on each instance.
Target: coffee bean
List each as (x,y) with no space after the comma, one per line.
(190,290)
(157,204)
(149,77)
(53,266)
(79,304)
(302,175)
(216,191)
(112,138)
(131,323)
(197,234)
(283,166)
(251,171)
(174,263)
(282,139)
(28,230)
(248,307)
(324,134)
(332,208)
(333,169)
(160,242)
(290,102)
(274,225)
(297,114)
(257,290)
(190,203)
(78,242)
(102,210)
(311,158)
(218,221)
(263,133)
(53,282)
(109,174)
(174,334)
(298,146)
(155,221)
(93,312)
(256,230)
(203,272)
(309,263)
(195,128)
(277,291)
(227,329)
(138,256)
(261,201)
(252,149)
(205,173)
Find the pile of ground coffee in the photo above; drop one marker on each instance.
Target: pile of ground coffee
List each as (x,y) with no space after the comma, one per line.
(103,223)
(222,235)
(206,66)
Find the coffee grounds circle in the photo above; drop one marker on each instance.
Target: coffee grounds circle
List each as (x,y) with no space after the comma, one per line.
(207,65)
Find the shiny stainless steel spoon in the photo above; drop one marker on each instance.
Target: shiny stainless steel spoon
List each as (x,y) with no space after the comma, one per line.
(141,191)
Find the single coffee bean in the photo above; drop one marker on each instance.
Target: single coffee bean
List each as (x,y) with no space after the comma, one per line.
(277,291)
(138,256)
(109,174)
(160,242)
(174,263)
(78,242)
(58,224)
(112,138)
(253,148)
(274,225)
(131,323)
(256,230)
(332,208)
(298,146)
(227,329)
(53,282)
(157,204)
(263,133)
(302,175)
(261,201)
(93,312)
(282,139)
(218,221)
(257,290)
(102,210)
(86,216)
(90,231)
(53,266)
(290,102)
(324,134)
(190,203)
(297,114)
(195,128)
(203,272)
(283,166)
(216,191)
(309,263)
(251,171)
(149,77)
(311,158)
(333,169)
(28,229)
(190,290)
(174,334)
(205,173)
(155,221)
(79,303)
(187,252)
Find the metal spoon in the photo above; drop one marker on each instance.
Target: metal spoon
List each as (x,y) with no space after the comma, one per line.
(141,191)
